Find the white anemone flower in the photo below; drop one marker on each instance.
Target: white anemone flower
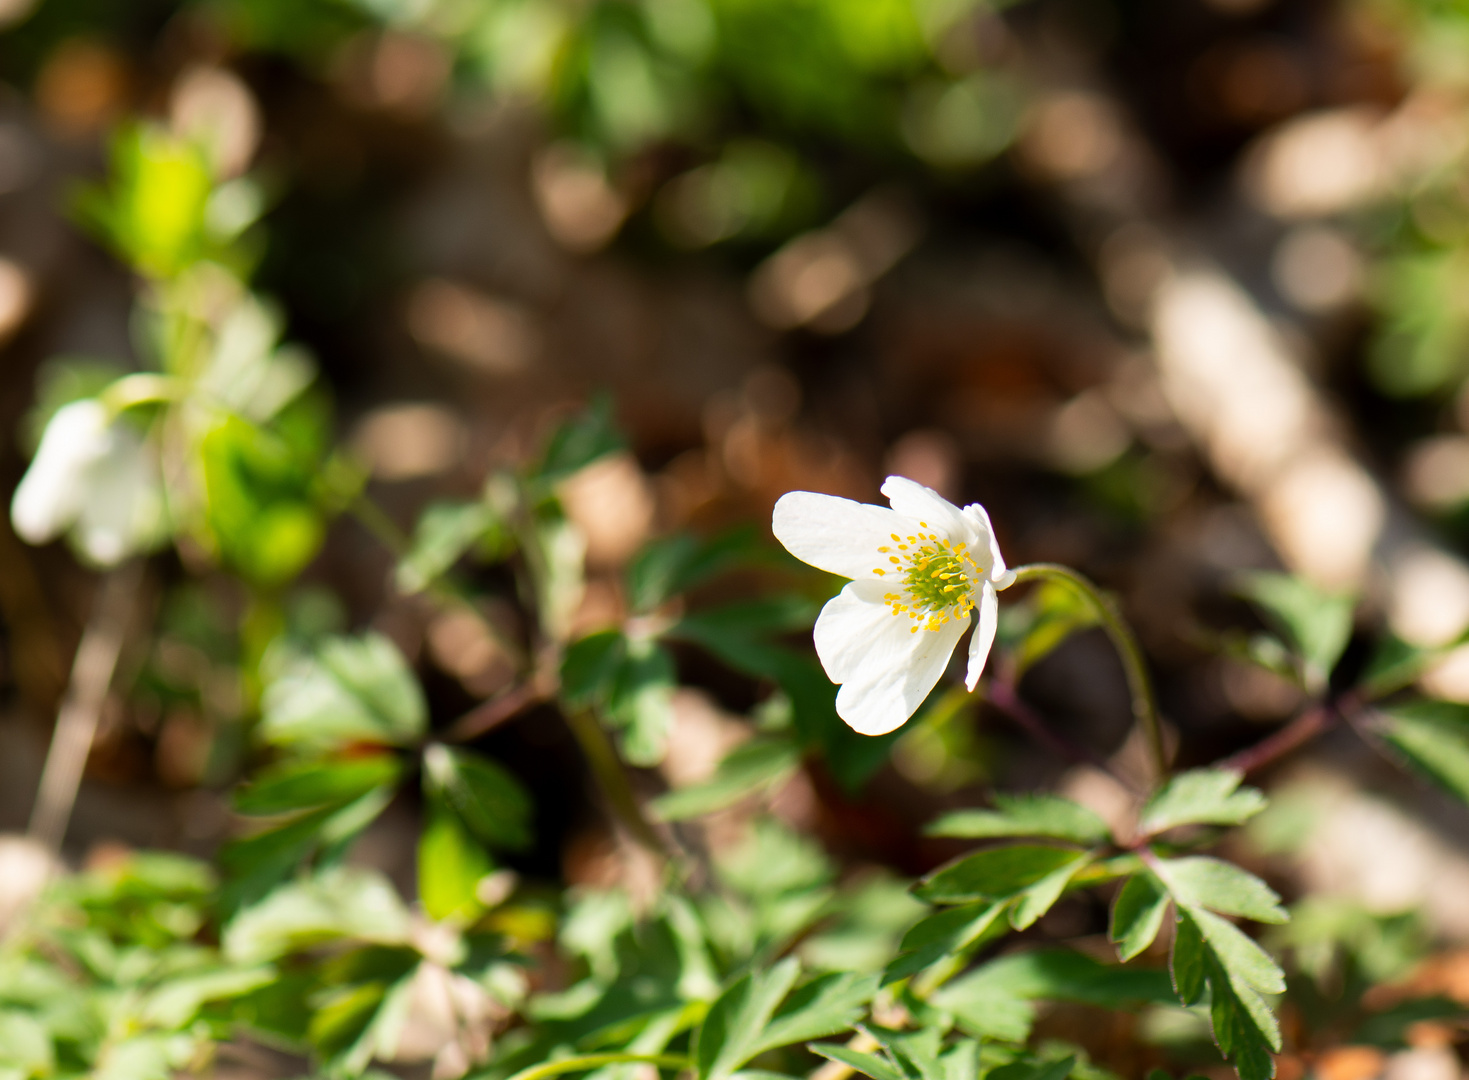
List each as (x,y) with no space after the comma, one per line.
(918,573)
(94,477)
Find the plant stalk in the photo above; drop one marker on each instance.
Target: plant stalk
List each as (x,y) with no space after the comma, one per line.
(587,1062)
(607,767)
(76,722)
(1144,704)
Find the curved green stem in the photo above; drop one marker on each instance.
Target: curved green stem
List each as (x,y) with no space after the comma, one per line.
(1144,704)
(584,1062)
(611,777)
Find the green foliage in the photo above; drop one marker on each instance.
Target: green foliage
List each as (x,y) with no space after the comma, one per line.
(1200,797)
(342,691)
(1025,815)
(1316,625)
(1434,737)
(753,766)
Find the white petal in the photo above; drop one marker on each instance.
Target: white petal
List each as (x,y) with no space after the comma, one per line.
(979,521)
(53,490)
(912,499)
(837,535)
(984,635)
(123,507)
(854,626)
(900,669)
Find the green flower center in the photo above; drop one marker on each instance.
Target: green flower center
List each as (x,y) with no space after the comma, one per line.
(938,579)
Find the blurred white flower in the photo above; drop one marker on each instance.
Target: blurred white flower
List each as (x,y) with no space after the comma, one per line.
(95,477)
(919,570)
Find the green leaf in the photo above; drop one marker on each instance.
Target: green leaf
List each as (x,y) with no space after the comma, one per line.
(451,864)
(1246,962)
(872,1065)
(993,1001)
(338,903)
(25,1045)
(1039,898)
(826,1005)
(296,786)
(589,665)
(579,441)
(994,874)
(1025,815)
(1201,797)
(1434,736)
(731,1031)
(1186,961)
(752,766)
(1137,915)
(1201,881)
(675,564)
(950,930)
(445,531)
(487,798)
(640,702)
(1318,624)
(350,690)
(1058,612)
(176,1002)
(1042,1070)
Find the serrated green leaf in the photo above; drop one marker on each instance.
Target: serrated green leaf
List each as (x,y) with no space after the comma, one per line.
(1201,797)
(993,874)
(298,786)
(1201,881)
(1039,898)
(1137,915)
(951,930)
(1245,962)
(872,1065)
(735,1022)
(342,902)
(753,765)
(487,798)
(1025,815)
(1434,736)
(1318,624)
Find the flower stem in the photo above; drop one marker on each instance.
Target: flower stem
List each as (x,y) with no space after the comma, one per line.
(1144,704)
(1305,727)
(611,777)
(76,724)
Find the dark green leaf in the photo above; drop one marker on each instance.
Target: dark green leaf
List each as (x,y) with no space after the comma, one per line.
(1058,612)
(1137,915)
(1025,815)
(487,798)
(1187,961)
(1201,797)
(993,874)
(951,930)
(296,786)
(580,440)
(674,564)
(589,666)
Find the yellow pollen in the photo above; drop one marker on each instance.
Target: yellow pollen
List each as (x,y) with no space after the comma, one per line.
(938,581)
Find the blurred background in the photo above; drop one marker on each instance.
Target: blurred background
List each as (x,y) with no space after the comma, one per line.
(1176,288)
